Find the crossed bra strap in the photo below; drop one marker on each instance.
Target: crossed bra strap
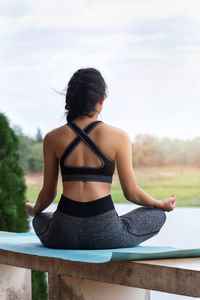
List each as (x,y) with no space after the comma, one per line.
(83,136)
(85,173)
(77,139)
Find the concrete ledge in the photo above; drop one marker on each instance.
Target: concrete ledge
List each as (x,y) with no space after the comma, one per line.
(15,283)
(70,280)
(177,276)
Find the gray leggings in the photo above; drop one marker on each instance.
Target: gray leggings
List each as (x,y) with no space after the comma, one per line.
(96,225)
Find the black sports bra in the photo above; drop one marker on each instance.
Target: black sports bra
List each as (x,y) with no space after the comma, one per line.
(103,173)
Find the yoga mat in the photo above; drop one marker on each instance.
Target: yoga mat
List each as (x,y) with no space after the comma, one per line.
(29,243)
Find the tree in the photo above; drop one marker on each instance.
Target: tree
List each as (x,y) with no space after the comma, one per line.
(38,136)
(12,186)
(12,194)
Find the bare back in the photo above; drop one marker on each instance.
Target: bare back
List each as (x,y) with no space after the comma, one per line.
(112,141)
(104,136)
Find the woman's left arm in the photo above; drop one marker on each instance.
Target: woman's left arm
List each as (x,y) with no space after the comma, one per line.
(50,181)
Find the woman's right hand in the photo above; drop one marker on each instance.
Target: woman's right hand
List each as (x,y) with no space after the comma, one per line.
(168,204)
(29,208)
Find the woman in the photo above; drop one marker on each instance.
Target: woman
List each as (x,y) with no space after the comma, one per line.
(87,150)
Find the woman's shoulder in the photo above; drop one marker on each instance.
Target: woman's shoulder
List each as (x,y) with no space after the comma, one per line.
(56,130)
(55,133)
(119,132)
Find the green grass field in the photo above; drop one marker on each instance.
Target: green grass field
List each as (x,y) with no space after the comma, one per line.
(158,182)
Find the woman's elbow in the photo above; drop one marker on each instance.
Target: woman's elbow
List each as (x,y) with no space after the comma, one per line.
(131,196)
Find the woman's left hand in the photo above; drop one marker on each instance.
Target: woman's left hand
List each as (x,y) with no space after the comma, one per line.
(168,204)
(29,208)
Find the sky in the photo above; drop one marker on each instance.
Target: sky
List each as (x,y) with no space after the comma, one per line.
(148,52)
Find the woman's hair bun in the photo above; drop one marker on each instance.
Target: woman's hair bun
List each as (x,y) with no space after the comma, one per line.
(85,88)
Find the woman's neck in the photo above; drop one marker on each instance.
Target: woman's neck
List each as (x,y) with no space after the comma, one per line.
(86,119)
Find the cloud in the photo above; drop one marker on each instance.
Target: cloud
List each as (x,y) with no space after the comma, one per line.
(148,52)
(97,14)
(113,14)
(15,9)
(29,68)
(117,38)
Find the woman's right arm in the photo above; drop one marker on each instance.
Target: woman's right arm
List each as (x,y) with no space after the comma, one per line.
(132,192)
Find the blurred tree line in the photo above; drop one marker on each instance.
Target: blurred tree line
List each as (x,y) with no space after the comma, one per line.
(30,150)
(147,151)
(151,151)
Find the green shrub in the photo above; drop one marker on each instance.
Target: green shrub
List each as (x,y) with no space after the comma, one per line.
(13,215)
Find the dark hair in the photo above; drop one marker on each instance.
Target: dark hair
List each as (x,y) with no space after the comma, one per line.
(85,88)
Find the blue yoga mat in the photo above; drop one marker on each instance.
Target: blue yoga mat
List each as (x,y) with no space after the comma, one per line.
(30,244)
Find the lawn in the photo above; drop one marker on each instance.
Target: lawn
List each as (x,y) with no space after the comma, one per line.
(158,182)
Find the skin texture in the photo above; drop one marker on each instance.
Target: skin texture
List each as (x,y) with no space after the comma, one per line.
(115,143)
